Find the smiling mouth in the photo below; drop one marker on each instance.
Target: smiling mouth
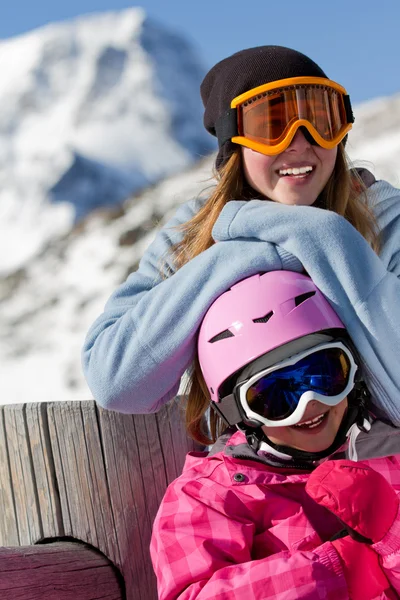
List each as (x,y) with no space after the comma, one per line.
(312,423)
(299,172)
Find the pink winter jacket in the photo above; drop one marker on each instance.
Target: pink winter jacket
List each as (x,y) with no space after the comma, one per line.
(233,528)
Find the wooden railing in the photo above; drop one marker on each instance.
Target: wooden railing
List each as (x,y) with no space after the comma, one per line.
(60,570)
(88,482)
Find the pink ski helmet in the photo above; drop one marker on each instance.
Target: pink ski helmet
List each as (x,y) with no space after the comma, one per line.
(256,316)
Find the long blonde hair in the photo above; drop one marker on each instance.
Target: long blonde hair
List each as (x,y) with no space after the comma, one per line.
(344,193)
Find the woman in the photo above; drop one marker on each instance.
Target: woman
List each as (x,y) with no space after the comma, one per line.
(285,198)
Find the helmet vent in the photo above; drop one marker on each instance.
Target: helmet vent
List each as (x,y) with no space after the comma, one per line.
(264,319)
(221,336)
(303,297)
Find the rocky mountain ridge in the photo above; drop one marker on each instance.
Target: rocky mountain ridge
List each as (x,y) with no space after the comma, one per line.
(52,291)
(91,111)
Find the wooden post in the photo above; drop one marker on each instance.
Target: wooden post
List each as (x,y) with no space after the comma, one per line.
(58,571)
(71,469)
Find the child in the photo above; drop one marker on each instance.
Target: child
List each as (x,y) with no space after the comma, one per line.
(268,513)
(285,198)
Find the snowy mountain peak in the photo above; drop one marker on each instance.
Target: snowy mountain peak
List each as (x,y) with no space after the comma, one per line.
(49,302)
(91,110)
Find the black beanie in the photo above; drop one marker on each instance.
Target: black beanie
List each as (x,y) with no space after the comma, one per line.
(244,71)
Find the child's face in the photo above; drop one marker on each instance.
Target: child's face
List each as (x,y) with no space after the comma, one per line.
(264,173)
(310,439)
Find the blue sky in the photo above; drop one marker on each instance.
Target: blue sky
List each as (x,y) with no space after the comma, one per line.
(355,42)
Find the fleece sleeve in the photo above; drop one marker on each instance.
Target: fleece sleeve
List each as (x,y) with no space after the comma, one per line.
(362,287)
(136,351)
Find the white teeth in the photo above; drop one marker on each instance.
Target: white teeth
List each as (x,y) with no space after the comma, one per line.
(315,425)
(296,171)
(312,423)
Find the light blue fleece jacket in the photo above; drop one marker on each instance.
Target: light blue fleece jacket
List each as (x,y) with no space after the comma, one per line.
(136,351)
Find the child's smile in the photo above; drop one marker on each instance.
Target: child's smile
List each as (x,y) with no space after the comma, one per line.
(315,432)
(312,423)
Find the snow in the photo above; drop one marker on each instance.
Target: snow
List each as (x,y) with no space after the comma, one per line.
(68,124)
(47,310)
(374,141)
(90,91)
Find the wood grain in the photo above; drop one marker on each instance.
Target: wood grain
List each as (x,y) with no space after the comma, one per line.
(72,469)
(58,571)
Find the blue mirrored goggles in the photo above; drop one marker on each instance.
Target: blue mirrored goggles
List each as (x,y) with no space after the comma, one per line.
(278,396)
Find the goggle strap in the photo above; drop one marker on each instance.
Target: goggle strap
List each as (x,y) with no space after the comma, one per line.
(348,109)
(226,126)
(228,410)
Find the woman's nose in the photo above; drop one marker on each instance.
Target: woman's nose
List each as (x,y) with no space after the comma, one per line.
(299,143)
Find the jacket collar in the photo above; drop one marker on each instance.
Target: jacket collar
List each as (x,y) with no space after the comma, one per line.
(382,440)
(245,466)
(234,444)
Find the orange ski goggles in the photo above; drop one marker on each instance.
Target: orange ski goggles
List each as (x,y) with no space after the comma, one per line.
(267,117)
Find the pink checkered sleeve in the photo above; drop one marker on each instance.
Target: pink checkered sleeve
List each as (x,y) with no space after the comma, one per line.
(200,552)
(389,550)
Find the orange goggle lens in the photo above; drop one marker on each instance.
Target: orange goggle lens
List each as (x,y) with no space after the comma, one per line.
(271,117)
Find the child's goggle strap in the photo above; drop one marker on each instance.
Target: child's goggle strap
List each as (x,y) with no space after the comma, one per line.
(278,396)
(269,115)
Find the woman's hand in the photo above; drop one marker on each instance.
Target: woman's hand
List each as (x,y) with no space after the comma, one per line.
(352,277)
(330,249)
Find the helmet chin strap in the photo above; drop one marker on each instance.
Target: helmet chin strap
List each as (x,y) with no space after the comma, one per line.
(356,413)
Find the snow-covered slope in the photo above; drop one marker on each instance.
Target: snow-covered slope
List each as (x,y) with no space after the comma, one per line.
(91,110)
(374,141)
(47,305)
